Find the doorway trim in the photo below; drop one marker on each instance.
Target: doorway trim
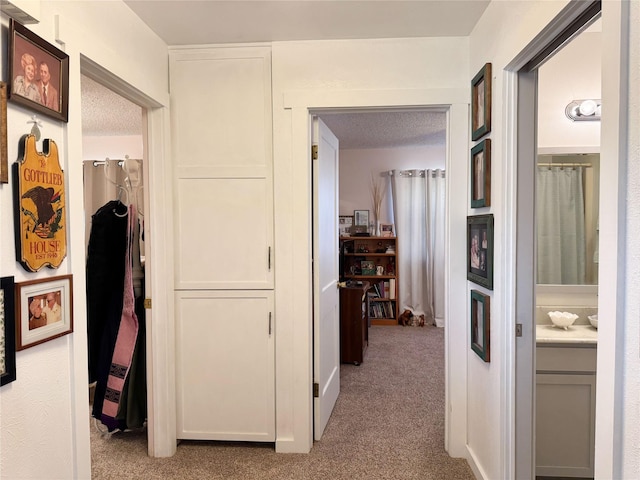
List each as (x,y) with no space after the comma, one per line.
(160,329)
(297,302)
(520,144)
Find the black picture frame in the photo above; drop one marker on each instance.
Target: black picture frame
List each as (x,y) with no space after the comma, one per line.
(480,250)
(481,103)
(481,174)
(28,49)
(7,331)
(481,325)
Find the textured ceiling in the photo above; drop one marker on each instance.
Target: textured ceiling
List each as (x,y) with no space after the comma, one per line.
(186,22)
(105,113)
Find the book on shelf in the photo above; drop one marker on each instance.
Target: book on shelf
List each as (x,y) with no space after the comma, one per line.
(392,288)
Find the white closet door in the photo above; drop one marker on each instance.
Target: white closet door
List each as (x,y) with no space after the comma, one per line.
(225,368)
(222,149)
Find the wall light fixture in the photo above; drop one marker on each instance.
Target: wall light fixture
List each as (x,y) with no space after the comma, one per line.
(584,110)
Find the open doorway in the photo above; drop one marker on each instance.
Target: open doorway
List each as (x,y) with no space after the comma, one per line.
(374,144)
(114,200)
(531,370)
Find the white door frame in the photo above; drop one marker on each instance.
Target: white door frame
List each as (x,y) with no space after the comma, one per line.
(300,104)
(160,332)
(520,90)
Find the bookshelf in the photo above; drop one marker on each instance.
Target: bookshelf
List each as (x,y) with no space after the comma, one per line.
(374,260)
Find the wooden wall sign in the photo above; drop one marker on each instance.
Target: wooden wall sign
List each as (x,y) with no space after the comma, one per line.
(40,209)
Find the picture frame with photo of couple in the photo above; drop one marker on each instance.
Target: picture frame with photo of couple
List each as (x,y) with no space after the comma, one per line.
(38,73)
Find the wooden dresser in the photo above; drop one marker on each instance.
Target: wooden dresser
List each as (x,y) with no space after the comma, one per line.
(354,322)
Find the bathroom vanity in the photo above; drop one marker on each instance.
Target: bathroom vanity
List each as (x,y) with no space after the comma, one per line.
(565,400)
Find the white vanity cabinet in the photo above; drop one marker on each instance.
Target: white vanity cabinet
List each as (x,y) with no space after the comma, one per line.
(565,409)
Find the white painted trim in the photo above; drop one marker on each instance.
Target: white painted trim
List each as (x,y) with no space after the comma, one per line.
(161,400)
(457,167)
(508,272)
(298,417)
(161,349)
(568,150)
(476,468)
(611,298)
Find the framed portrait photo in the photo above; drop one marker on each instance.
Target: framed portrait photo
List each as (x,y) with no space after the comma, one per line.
(481,103)
(481,174)
(38,73)
(480,325)
(7,331)
(344,225)
(45,310)
(480,250)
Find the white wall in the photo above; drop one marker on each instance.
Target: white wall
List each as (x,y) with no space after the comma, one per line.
(504,30)
(565,77)
(358,165)
(358,73)
(45,413)
(115,148)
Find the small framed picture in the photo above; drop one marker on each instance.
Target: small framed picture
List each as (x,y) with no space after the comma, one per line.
(480,250)
(480,325)
(7,331)
(481,174)
(367,267)
(45,310)
(38,73)
(344,224)
(386,230)
(481,103)
(361,217)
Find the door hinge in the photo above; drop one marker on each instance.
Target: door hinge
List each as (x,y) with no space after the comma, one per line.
(518,329)
(316,390)
(147,303)
(314,152)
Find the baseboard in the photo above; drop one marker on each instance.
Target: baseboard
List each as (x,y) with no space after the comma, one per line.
(477,470)
(290,446)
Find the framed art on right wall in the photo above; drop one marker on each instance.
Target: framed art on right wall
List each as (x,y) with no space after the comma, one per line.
(480,250)
(480,325)
(481,174)
(481,103)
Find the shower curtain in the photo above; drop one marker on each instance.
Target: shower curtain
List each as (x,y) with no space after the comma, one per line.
(560,225)
(419,213)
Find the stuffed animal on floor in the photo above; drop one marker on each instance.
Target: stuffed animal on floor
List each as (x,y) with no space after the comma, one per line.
(405,318)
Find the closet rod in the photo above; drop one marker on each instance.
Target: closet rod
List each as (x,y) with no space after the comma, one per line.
(97,163)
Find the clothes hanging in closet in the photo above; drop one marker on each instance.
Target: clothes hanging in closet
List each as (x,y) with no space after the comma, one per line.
(105,287)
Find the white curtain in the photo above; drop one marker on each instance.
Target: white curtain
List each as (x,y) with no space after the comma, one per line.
(560,225)
(419,214)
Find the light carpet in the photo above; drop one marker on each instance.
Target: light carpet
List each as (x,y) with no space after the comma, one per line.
(388,423)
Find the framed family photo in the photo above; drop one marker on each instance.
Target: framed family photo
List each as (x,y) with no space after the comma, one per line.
(45,310)
(7,331)
(480,325)
(481,103)
(38,73)
(480,250)
(481,174)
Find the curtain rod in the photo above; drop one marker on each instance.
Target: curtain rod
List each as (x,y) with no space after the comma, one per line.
(421,172)
(569,165)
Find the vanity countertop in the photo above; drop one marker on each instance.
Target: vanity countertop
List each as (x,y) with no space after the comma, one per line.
(575,334)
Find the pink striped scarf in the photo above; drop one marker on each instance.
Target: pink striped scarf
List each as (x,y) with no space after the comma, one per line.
(126,340)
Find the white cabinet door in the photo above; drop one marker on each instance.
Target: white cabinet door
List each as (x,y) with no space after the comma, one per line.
(565,424)
(225,365)
(221,118)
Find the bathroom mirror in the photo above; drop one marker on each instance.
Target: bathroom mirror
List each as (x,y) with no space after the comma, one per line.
(567,199)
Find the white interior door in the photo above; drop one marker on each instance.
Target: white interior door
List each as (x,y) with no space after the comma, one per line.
(326,311)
